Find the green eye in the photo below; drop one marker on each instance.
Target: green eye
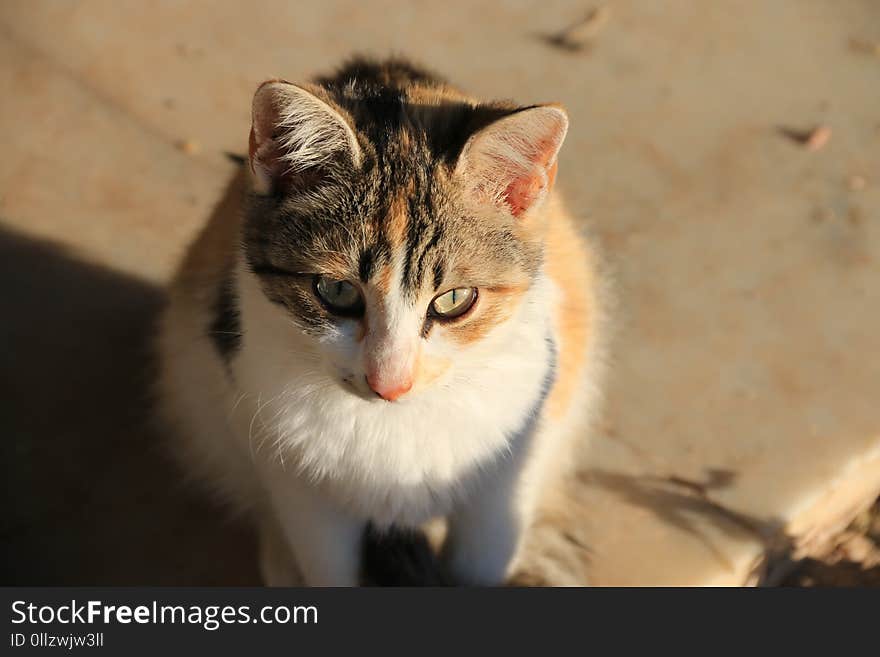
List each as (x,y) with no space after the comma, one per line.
(454,303)
(340,297)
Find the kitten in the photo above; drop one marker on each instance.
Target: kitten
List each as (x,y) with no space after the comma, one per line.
(401,324)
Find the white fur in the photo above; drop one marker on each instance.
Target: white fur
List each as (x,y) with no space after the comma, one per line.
(398,462)
(310,132)
(313,131)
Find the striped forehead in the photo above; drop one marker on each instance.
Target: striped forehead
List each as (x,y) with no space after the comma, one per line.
(408,240)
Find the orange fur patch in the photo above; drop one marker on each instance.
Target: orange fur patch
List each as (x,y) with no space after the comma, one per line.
(383,280)
(494,306)
(423,99)
(429,369)
(569,266)
(398,218)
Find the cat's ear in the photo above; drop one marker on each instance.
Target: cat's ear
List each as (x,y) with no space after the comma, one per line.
(296,136)
(512,161)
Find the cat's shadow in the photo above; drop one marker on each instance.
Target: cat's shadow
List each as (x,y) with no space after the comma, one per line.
(91,497)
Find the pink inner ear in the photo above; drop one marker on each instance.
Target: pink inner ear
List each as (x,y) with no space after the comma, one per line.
(525,189)
(522,192)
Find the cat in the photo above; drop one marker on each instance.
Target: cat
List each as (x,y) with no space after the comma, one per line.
(400,323)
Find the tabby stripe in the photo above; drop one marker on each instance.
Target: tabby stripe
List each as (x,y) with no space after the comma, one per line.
(430,246)
(438,275)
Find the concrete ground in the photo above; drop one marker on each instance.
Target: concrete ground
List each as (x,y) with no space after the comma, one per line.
(743,407)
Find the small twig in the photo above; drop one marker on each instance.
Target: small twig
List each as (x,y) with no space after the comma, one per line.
(865,47)
(812,140)
(576,35)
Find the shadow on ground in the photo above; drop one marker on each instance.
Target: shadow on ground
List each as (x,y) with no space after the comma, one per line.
(89,496)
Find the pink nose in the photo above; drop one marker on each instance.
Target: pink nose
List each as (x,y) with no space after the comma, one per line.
(389,390)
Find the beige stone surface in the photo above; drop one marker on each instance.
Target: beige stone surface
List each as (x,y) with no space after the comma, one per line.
(84,171)
(742,406)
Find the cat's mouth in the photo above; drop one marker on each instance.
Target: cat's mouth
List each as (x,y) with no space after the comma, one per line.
(349,384)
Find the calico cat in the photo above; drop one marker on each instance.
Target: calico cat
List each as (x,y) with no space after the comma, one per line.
(400,324)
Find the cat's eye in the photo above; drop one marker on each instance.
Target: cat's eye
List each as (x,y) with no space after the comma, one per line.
(340,297)
(454,303)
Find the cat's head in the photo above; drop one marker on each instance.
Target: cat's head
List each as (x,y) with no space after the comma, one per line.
(399,229)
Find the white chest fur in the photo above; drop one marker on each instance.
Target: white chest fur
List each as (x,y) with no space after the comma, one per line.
(400,462)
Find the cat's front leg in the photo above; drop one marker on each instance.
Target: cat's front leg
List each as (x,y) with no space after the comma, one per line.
(324,539)
(485,531)
(277,565)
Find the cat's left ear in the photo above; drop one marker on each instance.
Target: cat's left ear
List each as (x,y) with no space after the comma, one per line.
(297,138)
(512,162)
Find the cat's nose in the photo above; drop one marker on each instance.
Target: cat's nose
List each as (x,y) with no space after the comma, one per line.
(390,390)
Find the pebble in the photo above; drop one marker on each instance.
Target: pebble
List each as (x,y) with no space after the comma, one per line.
(189,146)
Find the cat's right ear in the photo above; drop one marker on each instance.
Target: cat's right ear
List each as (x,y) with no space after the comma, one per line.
(297,138)
(511,163)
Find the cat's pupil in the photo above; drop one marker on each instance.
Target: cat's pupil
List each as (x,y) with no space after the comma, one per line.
(454,303)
